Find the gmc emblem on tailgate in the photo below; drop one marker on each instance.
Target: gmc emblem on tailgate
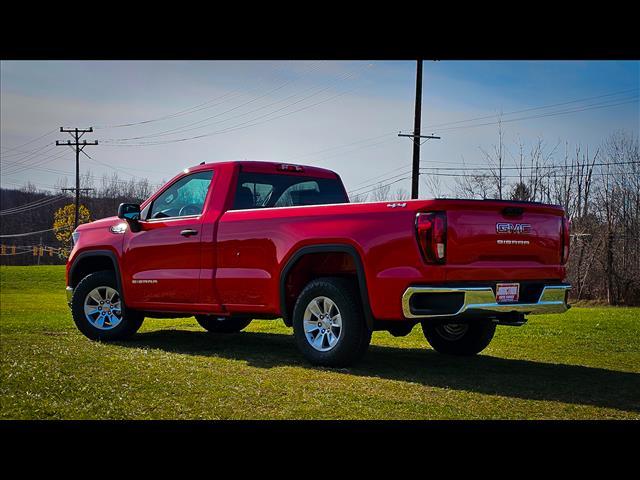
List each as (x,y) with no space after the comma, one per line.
(513,228)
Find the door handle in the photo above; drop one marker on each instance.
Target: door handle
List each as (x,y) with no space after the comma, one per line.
(188,232)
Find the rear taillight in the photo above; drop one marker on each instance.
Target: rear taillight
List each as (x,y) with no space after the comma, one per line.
(564,246)
(431,229)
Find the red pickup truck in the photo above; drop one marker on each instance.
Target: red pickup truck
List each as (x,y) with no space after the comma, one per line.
(232,241)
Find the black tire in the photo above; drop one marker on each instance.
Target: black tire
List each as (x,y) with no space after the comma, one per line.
(214,324)
(131,320)
(354,335)
(470,339)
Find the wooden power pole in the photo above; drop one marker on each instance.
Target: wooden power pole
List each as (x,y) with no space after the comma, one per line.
(78,146)
(415,171)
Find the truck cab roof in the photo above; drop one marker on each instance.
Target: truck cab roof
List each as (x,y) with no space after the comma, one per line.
(258,166)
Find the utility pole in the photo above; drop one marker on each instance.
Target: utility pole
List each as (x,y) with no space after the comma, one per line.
(415,172)
(76,133)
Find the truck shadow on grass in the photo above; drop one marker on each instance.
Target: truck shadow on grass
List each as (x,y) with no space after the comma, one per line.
(524,379)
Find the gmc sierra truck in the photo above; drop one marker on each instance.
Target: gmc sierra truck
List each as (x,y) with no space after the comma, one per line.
(232,241)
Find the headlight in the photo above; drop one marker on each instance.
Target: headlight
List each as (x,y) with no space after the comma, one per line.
(75,236)
(119,228)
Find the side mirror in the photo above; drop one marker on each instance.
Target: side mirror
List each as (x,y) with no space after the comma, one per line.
(129,211)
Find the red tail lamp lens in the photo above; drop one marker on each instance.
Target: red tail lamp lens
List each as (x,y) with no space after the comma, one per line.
(431,228)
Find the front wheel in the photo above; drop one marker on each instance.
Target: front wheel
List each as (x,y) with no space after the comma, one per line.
(459,338)
(218,324)
(328,323)
(98,310)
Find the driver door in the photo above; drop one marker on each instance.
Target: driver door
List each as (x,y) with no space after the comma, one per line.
(163,260)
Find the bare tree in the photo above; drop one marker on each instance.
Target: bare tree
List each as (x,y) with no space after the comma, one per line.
(433,185)
(495,160)
(380,193)
(400,194)
(473,186)
(359,197)
(616,206)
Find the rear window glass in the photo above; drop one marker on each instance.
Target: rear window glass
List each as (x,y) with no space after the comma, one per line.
(263,190)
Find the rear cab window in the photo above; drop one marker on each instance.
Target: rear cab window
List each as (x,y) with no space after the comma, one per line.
(267,190)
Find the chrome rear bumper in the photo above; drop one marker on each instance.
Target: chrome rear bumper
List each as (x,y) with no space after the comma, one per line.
(482,300)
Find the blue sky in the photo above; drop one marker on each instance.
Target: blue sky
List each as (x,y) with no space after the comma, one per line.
(287,110)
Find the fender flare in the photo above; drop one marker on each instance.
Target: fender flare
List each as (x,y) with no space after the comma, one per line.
(100,253)
(328,248)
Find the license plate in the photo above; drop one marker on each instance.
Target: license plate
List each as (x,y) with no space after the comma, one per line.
(507,292)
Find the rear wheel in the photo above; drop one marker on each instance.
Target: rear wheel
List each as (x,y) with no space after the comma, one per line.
(459,338)
(328,323)
(98,310)
(217,324)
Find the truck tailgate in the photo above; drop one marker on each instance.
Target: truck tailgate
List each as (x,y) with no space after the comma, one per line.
(503,232)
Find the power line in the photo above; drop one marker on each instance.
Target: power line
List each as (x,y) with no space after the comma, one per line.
(196,108)
(30,141)
(437,169)
(114,168)
(120,168)
(436,125)
(29,182)
(32,205)
(23,152)
(560,167)
(596,106)
(378,182)
(25,205)
(461,121)
(185,128)
(89,177)
(547,175)
(23,160)
(380,186)
(339,154)
(384,174)
(13,235)
(35,166)
(50,158)
(298,157)
(238,126)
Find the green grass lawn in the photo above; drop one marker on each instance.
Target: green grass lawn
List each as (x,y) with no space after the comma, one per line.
(581,365)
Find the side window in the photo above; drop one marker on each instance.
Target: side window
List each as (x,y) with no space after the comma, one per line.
(268,190)
(183,198)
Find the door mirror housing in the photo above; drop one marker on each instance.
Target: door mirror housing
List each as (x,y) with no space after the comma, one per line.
(129,212)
